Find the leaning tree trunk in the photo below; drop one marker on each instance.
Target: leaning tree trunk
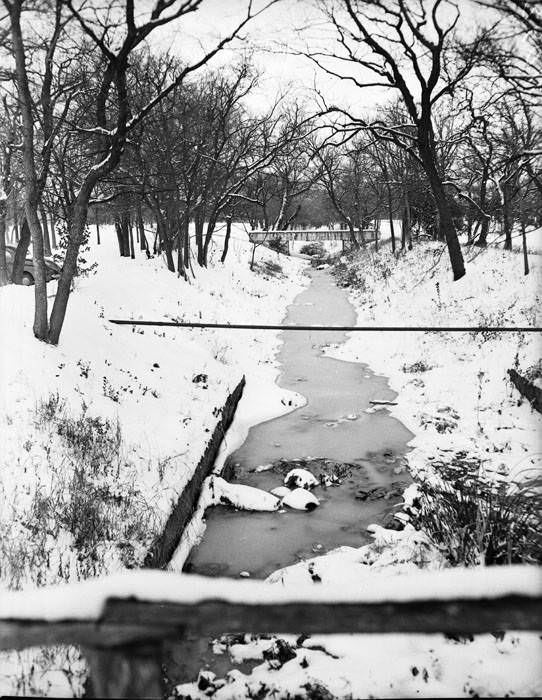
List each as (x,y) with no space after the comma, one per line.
(446,225)
(69,268)
(211,224)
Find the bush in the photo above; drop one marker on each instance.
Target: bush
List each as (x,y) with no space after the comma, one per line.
(415,367)
(278,245)
(268,269)
(477,520)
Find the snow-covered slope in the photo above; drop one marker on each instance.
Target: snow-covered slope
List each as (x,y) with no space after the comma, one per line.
(161,387)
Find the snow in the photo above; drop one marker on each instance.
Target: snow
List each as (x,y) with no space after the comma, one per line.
(453,388)
(239,496)
(141,379)
(333,666)
(146,379)
(85,600)
(302,478)
(300,499)
(453,394)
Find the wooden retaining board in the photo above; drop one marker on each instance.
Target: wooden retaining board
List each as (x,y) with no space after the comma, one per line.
(165,545)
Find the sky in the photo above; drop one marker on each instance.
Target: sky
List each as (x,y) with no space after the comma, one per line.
(272,36)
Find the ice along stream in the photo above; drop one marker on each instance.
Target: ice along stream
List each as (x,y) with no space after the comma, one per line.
(333,427)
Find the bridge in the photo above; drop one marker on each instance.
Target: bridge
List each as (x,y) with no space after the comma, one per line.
(361,236)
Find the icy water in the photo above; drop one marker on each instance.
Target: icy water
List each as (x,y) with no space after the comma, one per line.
(333,425)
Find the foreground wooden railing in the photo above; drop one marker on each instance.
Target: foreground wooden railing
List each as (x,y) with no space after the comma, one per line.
(123,621)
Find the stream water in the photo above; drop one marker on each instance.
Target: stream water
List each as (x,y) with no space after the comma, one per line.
(334,425)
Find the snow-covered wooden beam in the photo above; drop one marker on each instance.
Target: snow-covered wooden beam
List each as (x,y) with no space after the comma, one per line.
(468,600)
(364,235)
(122,621)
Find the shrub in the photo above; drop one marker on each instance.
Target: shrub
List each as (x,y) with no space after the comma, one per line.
(278,245)
(418,366)
(477,520)
(268,269)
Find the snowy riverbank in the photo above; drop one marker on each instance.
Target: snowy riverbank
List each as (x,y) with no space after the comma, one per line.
(455,397)
(122,415)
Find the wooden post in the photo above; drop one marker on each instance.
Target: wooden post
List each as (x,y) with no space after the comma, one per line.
(123,672)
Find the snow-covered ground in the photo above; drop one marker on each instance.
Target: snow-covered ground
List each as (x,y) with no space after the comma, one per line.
(453,394)
(149,397)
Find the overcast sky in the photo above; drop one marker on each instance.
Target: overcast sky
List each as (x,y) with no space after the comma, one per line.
(278,25)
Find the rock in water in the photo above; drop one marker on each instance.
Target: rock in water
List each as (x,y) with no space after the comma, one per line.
(301,499)
(241,496)
(300,478)
(280,491)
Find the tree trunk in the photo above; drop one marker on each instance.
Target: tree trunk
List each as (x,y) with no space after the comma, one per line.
(390,214)
(122,235)
(53,226)
(97,219)
(20,253)
(46,239)
(143,243)
(29,171)
(199,239)
(130,230)
(208,237)
(507,220)
(165,243)
(76,234)
(4,277)
(186,239)
(226,239)
(446,226)
(481,241)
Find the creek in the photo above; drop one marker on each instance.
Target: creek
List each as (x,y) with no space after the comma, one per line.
(332,434)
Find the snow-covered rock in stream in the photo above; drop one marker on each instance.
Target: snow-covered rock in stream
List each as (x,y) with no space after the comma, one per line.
(300,478)
(240,496)
(301,499)
(280,491)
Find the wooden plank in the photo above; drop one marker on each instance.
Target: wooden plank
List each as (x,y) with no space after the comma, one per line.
(126,621)
(430,616)
(126,672)
(527,389)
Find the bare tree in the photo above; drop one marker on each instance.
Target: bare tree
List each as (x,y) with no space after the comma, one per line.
(114,35)
(411,47)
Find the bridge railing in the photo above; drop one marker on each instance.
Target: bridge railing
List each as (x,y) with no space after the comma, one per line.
(123,622)
(361,235)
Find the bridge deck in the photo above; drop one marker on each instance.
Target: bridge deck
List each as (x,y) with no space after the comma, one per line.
(366,235)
